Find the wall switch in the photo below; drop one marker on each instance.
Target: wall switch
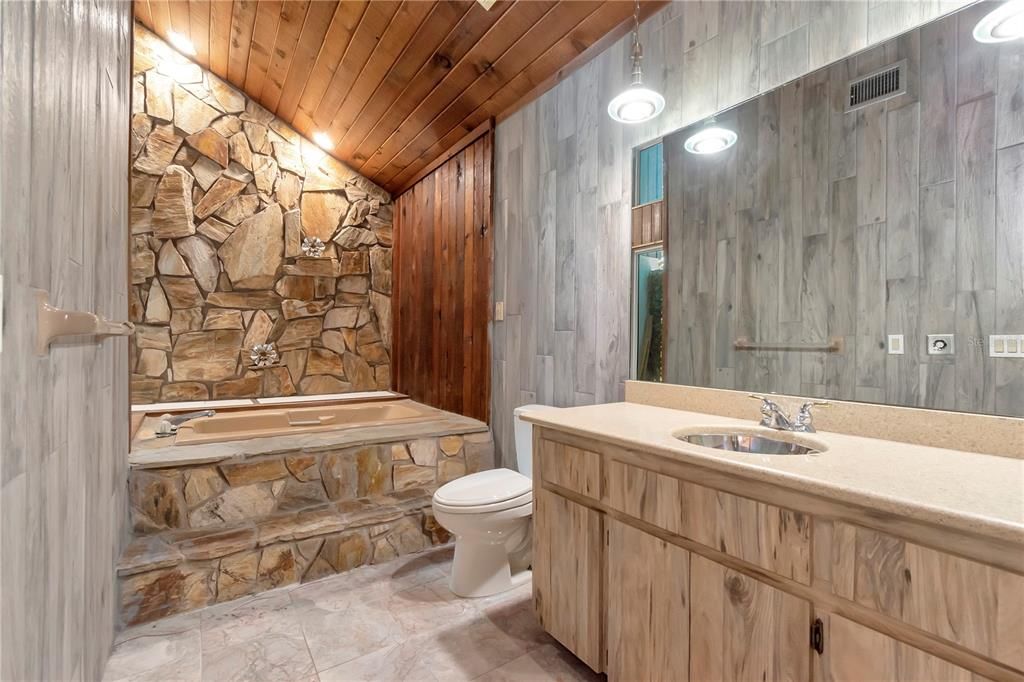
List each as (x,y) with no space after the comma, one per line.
(940,344)
(1006,346)
(499,311)
(895,344)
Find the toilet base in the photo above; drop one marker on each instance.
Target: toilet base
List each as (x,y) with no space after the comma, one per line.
(483,569)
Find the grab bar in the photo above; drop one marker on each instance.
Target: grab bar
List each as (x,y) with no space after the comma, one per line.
(53,322)
(833,345)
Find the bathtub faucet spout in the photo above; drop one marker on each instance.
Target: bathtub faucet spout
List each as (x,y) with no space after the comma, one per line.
(169,423)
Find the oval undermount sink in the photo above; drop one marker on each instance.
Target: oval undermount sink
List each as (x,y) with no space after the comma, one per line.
(740,442)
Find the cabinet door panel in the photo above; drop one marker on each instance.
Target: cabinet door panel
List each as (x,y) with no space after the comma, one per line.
(742,629)
(855,653)
(977,606)
(568,559)
(648,607)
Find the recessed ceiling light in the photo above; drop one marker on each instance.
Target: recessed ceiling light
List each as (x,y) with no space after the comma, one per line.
(322,140)
(181,43)
(1004,23)
(710,140)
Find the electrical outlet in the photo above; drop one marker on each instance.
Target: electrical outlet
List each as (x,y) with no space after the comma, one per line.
(1006,346)
(941,344)
(896,344)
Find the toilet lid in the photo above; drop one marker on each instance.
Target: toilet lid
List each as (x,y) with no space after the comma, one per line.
(484,488)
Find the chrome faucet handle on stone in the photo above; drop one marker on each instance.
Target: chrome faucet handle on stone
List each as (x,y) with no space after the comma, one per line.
(773,417)
(169,423)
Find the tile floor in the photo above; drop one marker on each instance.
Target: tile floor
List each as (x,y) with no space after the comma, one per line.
(396,621)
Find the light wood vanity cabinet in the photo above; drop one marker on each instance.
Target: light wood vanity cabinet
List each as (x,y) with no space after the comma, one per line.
(568,566)
(648,590)
(650,570)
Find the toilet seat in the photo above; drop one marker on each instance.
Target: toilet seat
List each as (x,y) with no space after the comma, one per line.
(485,491)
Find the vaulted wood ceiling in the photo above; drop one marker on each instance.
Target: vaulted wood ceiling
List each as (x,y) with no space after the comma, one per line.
(393,83)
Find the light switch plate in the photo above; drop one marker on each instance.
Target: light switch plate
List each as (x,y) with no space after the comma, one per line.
(1006,346)
(896,344)
(941,344)
(499,311)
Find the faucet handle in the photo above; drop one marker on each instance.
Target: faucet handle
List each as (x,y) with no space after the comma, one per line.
(804,419)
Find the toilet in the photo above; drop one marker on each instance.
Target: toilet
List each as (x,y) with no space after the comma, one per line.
(489,513)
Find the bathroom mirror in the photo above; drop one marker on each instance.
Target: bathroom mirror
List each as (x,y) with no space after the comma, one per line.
(862,237)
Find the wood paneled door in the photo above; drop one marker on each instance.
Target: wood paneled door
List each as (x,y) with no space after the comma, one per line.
(442,280)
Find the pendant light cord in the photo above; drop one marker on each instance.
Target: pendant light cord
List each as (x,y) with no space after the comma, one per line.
(638,50)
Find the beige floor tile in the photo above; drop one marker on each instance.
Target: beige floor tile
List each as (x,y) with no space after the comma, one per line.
(167,651)
(335,637)
(244,619)
(425,608)
(548,663)
(467,649)
(271,657)
(403,661)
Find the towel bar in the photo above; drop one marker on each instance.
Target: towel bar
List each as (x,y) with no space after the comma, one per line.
(53,322)
(833,345)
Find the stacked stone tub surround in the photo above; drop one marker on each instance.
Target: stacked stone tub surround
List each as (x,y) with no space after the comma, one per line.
(215,522)
(244,234)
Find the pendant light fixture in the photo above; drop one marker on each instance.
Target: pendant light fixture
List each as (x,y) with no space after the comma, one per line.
(710,139)
(636,104)
(1002,24)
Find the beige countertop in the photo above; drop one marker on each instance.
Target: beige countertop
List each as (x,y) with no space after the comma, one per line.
(973,492)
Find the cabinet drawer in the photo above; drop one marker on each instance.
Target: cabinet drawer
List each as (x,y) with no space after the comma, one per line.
(776,539)
(572,468)
(976,606)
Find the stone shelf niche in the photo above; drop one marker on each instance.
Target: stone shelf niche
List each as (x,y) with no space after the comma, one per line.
(223,196)
(207,533)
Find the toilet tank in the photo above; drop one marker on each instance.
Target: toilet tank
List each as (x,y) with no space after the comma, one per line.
(524,439)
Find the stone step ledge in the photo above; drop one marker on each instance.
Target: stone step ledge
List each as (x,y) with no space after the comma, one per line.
(183,570)
(170,548)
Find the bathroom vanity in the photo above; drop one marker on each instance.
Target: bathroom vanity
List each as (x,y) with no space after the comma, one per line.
(658,559)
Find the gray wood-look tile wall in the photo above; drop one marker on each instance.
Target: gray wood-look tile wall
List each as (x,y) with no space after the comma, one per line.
(563,179)
(902,217)
(64,110)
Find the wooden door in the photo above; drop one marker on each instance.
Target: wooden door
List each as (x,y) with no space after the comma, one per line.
(648,607)
(568,559)
(742,629)
(442,285)
(854,653)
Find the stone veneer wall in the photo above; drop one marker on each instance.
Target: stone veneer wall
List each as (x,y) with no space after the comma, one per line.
(223,195)
(205,495)
(212,532)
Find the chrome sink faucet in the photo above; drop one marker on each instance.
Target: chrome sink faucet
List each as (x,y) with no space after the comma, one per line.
(773,417)
(169,424)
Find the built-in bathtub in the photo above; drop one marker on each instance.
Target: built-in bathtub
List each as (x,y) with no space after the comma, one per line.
(262,495)
(266,421)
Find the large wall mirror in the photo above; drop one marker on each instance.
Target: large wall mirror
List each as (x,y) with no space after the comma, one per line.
(862,238)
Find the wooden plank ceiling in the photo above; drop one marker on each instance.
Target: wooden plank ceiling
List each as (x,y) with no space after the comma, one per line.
(393,83)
